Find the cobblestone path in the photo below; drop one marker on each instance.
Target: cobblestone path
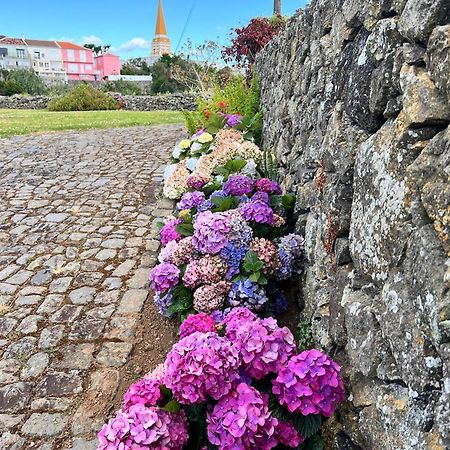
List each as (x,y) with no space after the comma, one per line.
(75,251)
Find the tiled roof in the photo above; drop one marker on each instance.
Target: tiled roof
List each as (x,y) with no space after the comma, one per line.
(14,41)
(40,43)
(70,46)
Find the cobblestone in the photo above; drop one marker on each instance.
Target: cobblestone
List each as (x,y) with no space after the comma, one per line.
(76,215)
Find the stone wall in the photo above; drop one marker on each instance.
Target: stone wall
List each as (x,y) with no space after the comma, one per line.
(174,102)
(356,101)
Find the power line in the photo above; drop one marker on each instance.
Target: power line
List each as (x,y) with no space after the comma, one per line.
(186,25)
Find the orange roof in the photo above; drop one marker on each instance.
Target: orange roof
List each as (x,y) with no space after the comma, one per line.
(13,41)
(160,22)
(71,46)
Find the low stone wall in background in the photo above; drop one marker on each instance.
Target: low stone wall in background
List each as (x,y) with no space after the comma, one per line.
(173,102)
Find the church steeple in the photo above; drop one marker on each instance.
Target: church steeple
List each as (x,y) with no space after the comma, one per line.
(161,42)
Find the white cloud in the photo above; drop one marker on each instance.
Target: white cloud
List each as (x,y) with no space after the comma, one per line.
(131,45)
(91,39)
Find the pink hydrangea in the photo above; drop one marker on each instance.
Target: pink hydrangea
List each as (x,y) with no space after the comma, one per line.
(169,231)
(257,211)
(207,270)
(197,322)
(210,232)
(236,318)
(242,420)
(201,365)
(287,435)
(145,391)
(267,185)
(310,384)
(142,428)
(267,253)
(207,298)
(167,252)
(184,252)
(157,373)
(264,346)
(196,181)
(164,276)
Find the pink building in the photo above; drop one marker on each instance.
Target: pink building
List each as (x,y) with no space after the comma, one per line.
(106,64)
(78,61)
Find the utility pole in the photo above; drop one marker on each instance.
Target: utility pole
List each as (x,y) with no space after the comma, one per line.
(277,7)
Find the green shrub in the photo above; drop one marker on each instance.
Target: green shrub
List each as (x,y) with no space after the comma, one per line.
(31,83)
(236,96)
(10,87)
(83,97)
(58,88)
(122,87)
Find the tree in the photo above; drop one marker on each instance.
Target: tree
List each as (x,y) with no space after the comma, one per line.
(136,66)
(163,70)
(277,7)
(97,49)
(251,39)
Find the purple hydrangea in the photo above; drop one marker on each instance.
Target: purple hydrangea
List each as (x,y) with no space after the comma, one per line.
(197,322)
(233,120)
(201,365)
(257,211)
(242,420)
(169,231)
(164,276)
(238,185)
(218,194)
(269,186)
(262,197)
(241,233)
(264,346)
(233,254)
(163,302)
(287,435)
(310,384)
(191,200)
(145,391)
(144,428)
(210,232)
(247,294)
(290,250)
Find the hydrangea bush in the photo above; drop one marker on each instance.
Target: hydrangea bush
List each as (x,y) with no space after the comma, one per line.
(236,379)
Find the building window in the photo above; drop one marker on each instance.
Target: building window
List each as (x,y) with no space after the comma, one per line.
(37,55)
(20,53)
(82,56)
(46,64)
(71,55)
(88,67)
(73,68)
(41,64)
(3,52)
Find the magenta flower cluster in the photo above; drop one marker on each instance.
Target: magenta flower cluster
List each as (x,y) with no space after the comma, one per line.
(197,322)
(268,186)
(145,392)
(242,420)
(201,365)
(238,185)
(265,347)
(169,231)
(257,211)
(141,428)
(310,384)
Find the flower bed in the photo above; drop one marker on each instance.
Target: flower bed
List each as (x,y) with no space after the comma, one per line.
(236,379)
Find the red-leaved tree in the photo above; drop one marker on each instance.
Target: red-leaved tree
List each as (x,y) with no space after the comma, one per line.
(248,41)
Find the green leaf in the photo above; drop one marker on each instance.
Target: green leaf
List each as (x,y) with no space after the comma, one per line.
(165,390)
(185,229)
(252,263)
(172,406)
(235,165)
(255,277)
(159,225)
(313,443)
(263,280)
(224,203)
(288,201)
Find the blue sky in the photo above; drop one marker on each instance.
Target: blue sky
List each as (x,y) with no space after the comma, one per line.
(129,26)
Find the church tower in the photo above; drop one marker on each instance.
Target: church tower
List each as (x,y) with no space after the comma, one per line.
(161,42)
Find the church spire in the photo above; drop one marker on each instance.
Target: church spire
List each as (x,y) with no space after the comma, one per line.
(161,42)
(160,22)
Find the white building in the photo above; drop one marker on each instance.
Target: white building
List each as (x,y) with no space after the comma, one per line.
(46,58)
(14,54)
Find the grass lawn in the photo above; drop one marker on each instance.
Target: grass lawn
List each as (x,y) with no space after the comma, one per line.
(25,121)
